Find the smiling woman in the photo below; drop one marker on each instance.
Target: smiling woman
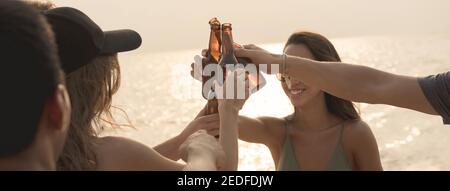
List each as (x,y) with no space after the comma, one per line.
(317,47)
(324,132)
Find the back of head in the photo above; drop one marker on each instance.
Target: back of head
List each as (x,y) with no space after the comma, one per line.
(41,5)
(29,76)
(89,57)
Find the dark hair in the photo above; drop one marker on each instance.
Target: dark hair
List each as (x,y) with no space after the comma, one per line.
(30,73)
(323,50)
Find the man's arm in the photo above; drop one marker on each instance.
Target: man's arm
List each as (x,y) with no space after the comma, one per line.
(351,82)
(361,83)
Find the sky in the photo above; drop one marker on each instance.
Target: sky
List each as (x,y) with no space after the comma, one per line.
(183,24)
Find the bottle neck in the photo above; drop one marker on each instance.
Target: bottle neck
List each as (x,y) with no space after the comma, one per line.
(214,44)
(227,42)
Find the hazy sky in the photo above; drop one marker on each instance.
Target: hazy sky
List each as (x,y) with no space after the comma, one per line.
(182,24)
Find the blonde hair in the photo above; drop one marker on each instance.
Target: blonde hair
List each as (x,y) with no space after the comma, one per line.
(91,89)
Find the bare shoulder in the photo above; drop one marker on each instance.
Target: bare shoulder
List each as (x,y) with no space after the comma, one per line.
(356,128)
(119,153)
(361,146)
(357,133)
(120,145)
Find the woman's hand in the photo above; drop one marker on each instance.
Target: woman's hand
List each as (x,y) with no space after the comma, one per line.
(196,67)
(237,81)
(202,152)
(256,54)
(209,123)
(196,73)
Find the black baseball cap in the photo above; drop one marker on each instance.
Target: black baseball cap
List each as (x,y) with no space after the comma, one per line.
(80,39)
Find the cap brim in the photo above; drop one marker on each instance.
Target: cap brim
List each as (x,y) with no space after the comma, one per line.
(120,41)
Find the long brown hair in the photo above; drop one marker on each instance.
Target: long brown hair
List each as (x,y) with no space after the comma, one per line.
(323,50)
(91,89)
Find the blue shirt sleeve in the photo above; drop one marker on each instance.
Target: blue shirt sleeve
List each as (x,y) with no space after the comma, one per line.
(437,90)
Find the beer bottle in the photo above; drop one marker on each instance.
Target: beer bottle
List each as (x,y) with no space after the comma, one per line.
(228,57)
(212,57)
(227,46)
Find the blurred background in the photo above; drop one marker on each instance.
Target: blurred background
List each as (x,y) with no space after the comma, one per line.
(410,37)
(177,24)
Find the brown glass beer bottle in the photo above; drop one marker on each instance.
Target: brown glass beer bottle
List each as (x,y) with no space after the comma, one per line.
(212,57)
(228,56)
(256,81)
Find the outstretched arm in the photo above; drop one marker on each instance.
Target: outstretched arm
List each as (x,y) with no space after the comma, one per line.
(347,81)
(229,134)
(361,83)
(200,151)
(257,130)
(170,148)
